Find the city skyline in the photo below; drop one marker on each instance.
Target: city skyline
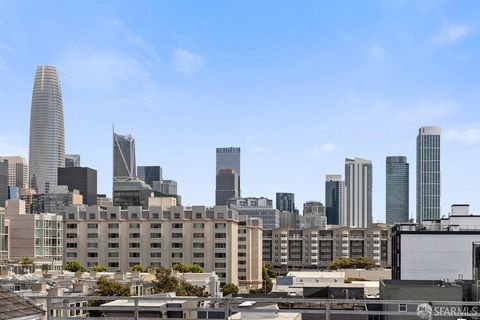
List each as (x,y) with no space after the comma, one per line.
(275,157)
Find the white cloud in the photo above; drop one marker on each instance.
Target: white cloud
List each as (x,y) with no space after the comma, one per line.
(452,33)
(316,152)
(377,52)
(186,62)
(466,136)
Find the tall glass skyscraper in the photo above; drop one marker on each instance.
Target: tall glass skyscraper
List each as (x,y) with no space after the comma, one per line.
(124,165)
(285,201)
(396,191)
(149,174)
(428,173)
(47,136)
(358,183)
(227,159)
(335,199)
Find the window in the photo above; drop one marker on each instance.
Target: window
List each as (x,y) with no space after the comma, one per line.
(113,254)
(134,254)
(198,215)
(198,236)
(220,245)
(177,255)
(198,245)
(242,239)
(92,245)
(92,235)
(71,226)
(71,254)
(113,245)
(176,215)
(91,264)
(177,235)
(92,225)
(113,226)
(134,216)
(155,245)
(402,307)
(242,246)
(113,216)
(242,254)
(92,254)
(155,215)
(198,255)
(71,216)
(113,264)
(220,255)
(220,225)
(155,235)
(134,235)
(177,225)
(71,235)
(113,235)
(155,225)
(220,215)
(198,225)
(134,225)
(134,244)
(220,265)
(71,244)
(220,235)
(92,216)
(155,254)
(177,245)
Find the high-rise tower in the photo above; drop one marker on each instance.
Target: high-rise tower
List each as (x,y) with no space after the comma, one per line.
(358,183)
(124,165)
(428,173)
(227,159)
(335,199)
(47,137)
(396,191)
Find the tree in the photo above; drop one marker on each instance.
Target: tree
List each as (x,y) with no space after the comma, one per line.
(270,270)
(107,288)
(350,263)
(185,268)
(166,282)
(99,268)
(74,266)
(267,283)
(138,267)
(230,288)
(25,261)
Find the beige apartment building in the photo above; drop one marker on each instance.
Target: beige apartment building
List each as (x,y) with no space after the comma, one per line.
(313,248)
(214,238)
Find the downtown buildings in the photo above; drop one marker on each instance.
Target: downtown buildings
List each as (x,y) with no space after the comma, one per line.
(47,137)
(397,190)
(358,183)
(227,175)
(335,199)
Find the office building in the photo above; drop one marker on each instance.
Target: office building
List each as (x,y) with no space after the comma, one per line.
(226,186)
(37,236)
(428,173)
(27,195)
(214,238)
(169,187)
(47,137)
(228,159)
(358,183)
(314,248)
(131,193)
(335,199)
(149,174)
(17,171)
(3,238)
(397,190)
(56,200)
(313,215)
(289,220)
(72,160)
(82,179)
(103,201)
(3,182)
(124,165)
(13,193)
(257,208)
(285,201)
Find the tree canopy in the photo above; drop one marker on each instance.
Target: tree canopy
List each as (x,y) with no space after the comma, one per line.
(99,268)
(185,268)
(74,266)
(107,288)
(230,288)
(138,267)
(351,263)
(166,282)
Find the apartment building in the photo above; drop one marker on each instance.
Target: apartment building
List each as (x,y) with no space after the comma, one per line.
(214,238)
(314,248)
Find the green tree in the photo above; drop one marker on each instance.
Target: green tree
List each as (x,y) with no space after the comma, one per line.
(267,283)
(74,266)
(350,263)
(138,267)
(270,270)
(99,268)
(230,288)
(185,268)
(166,282)
(107,288)
(25,261)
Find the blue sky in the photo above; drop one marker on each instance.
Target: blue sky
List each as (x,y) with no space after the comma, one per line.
(298,85)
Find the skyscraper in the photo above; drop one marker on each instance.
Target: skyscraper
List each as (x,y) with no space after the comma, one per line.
(82,179)
(229,159)
(17,171)
(227,182)
(335,199)
(124,165)
(72,160)
(358,183)
(149,174)
(396,191)
(428,173)
(3,182)
(47,137)
(285,201)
